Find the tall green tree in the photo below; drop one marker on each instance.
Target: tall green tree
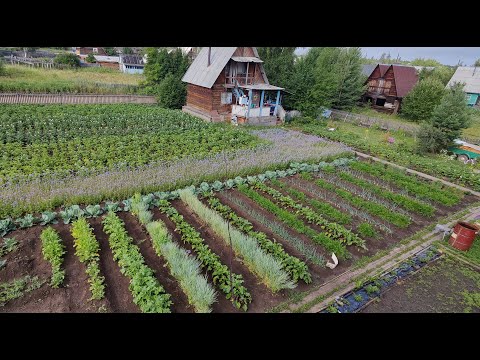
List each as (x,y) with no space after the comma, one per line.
(441,73)
(421,101)
(110,51)
(477,63)
(172,92)
(127,51)
(350,79)
(447,121)
(425,62)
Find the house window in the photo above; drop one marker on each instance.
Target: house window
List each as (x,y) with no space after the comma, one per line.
(226,98)
(95,50)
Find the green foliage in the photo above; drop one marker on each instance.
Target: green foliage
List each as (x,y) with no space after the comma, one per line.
(18,287)
(185,268)
(110,51)
(25,222)
(48,217)
(160,63)
(367,230)
(425,62)
(88,251)
(8,245)
(279,63)
(422,99)
(6,225)
(234,291)
(69,59)
(127,51)
(403,155)
(53,250)
(147,292)
(447,121)
(293,221)
(440,73)
(323,208)
(262,264)
(477,63)
(338,78)
(90,58)
(294,266)
(71,213)
(331,230)
(308,251)
(172,92)
(60,138)
(381,211)
(371,289)
(425,190)
(2,68)
(93,211)
(397,198)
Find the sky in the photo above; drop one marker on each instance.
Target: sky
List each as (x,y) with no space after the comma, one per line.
(445,55)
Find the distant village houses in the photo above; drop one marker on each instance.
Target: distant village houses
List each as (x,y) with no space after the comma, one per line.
(470,76)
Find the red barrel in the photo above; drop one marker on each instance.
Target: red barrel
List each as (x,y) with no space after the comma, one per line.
(463,235)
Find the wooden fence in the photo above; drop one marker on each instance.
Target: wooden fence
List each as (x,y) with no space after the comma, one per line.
(367,121)
(18,98)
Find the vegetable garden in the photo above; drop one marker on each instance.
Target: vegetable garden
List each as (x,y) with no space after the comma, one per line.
(244,244)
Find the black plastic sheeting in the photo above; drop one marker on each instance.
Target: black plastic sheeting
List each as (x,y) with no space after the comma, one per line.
(354,300)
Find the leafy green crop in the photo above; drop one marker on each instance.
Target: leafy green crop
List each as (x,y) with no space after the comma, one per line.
(147,292)
(234,291)
(53,250)
(88,251)
(294,266)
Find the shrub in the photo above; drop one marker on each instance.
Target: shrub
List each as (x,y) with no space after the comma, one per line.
(67,59)
(172,92)
(90,58)
(424,97)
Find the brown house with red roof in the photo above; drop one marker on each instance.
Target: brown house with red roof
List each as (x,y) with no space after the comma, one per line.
(388,85)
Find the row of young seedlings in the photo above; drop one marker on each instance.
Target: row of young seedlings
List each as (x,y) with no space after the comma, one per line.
(325,209)
(185,268)
(331,230)
(295,267)
(431,191)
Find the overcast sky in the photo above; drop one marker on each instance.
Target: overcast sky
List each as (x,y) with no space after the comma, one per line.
(445,55)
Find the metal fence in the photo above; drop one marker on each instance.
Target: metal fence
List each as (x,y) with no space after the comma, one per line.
(19,98)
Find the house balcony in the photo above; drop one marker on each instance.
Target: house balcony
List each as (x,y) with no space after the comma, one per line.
(377,90)
(241,79)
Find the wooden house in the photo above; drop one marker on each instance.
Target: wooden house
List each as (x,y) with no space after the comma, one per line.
(229,83)
(388,85)
(470,76)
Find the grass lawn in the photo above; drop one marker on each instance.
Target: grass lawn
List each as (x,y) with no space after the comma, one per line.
(83,80)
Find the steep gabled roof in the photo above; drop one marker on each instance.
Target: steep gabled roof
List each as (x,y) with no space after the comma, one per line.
(383,68)
(202,75)
(367,69)
(468,75)
(405,79)
(199,73)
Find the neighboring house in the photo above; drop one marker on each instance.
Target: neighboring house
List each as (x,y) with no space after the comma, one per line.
(229,83)
(108,61)
(471,77)
(388,85)
(83,52)
(132,64)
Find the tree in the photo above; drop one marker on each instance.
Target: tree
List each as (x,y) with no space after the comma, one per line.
(29,50)
(67,59)
(160,63)
(110,51)
(477,63)
(424,97)
(2,68)
(351,81)
(90,58)
(127,51)
(447,121)
(172,92)
(279,63)
(441,73)
(425,62)
(338,78)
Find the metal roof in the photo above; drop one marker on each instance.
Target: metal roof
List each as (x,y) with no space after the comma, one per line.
(406,78)
(470,76)
(199,73)
(131,59)
(246,59)
(367,69)
(262,87)
(112,59)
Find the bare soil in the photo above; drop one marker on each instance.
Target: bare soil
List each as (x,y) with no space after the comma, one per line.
(438,287)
